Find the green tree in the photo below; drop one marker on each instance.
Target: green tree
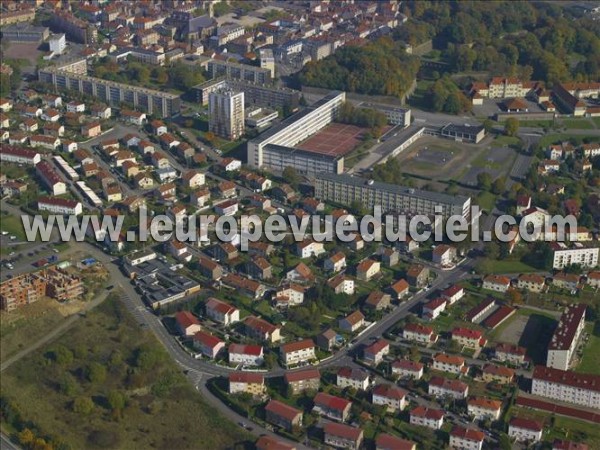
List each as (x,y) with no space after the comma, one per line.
(116,400)
(83,405)
(291,176)
(96,373)
(62,355)
(511,126)
(488,125)
(498,185)
(484,181)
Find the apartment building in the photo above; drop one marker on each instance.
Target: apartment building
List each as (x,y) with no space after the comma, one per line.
(76,29)
(60,206)
(303,380)
(255,94)
(566,336)
(19,155)
(297,352)
(50,178)
(24,32)
(566,386)
(427,417)
(564,256)
(346,189)
(232,70)
(281,138)
(466,438)
(226,113)
(21,290)
(73,76)
(247,382)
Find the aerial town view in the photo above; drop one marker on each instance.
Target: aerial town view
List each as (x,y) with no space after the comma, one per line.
(299,224)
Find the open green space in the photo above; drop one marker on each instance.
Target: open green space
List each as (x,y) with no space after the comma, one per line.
(509,265)
(580,124)
(107,383)
(536,123)
(13,225)
(589,361)
(502,140)
(23,327)
(549,139)
(596,121)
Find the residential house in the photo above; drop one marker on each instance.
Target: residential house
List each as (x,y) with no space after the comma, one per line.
(399,289)
(374,353)
(439,386)
(405,368)
(143,181)
(91,129)
(200,197)
(453,294)
(207,344)
(193,179)
(327,340)
(481,408)
(352,322)
(343,436)
(417,275)
(341,284)
(230,164)
(225,251)
(422,334)
(300,274)
(266,442)
(497,374)
(466,438)
(209,268)
(349,377)
(247,355)
(389,256)
(531,282)
(289,294)
(331,406)
(244,285)
(335,262)
(187,323)
(308,248)
(390,396)
(247,383)
(297,352)
(133,117)
(443,255)
(261,330)
(282,415)
(433,308)
(467,337)
(303,380)
(569,281)
(390,442)
(525,430)
(101,111)
(510,353)
(449,363)
(427,417)
(261,269)
(378,301)
(221,312)
(367,269)
(496,283)
(227,189)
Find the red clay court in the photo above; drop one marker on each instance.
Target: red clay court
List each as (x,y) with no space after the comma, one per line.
(336,139)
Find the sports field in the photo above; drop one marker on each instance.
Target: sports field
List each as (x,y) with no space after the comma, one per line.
(336,139)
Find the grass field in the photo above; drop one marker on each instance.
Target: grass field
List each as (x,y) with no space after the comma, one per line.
(507,266)
(596,120)
(502,140)
(589,362)
(13,225)
(25,326)
(578,124)
(134,396)
(536,123)
(549,139)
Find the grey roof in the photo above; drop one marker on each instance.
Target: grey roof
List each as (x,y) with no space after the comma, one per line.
(199,23)
(393,188)
(294,118)
(462,129)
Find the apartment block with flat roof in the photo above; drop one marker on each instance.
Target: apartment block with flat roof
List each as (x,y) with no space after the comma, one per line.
(226,113)
(346,189)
